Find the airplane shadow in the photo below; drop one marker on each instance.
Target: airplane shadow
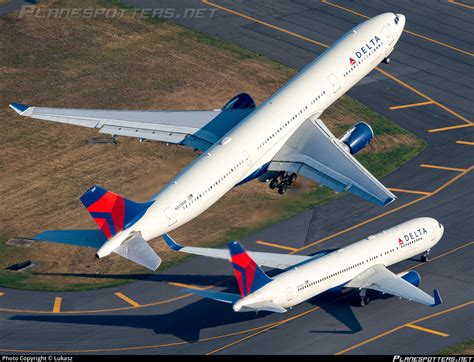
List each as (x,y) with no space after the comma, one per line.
(177,278)
(185,323)
(342,308)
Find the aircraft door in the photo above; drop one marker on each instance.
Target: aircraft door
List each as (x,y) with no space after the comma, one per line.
(247,159)
(334,82)
(170,215)
(289,294)
(388,34)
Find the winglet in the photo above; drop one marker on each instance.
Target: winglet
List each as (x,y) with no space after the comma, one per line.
(437,298)
(171,243)
(19,108)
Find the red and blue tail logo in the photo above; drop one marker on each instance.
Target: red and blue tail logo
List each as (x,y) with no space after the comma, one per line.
(112,213)
(249,275)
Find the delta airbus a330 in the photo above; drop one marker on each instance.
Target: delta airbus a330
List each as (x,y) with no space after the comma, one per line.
(362,265)
(276,141)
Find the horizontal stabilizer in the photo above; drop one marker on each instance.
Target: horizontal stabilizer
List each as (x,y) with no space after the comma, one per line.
(272,260)
(265,305)
(89,238)
(137,250)
(219,296)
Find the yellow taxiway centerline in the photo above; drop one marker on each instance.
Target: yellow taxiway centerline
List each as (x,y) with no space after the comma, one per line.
(395,79)
(405,31)
(440,256)
(188,286)
(393,108)
(461,4)
(444,168)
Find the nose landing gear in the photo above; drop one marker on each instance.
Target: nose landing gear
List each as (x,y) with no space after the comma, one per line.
(386,60)
(283,181)
(425,256)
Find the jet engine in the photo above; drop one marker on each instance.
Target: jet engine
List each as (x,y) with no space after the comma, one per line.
(358,137)
(411,277)
(240,101)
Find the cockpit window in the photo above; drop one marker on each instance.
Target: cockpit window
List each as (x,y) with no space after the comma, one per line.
(440,226)
(396,20)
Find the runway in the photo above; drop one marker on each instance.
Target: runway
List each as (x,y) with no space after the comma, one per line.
(427,89)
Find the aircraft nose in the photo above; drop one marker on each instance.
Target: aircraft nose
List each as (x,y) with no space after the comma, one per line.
(401,20)
(441,229)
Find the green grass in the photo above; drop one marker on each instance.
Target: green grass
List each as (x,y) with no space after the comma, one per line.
(464,348)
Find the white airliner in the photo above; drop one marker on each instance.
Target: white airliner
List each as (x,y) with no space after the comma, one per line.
(281,138)
(362,265)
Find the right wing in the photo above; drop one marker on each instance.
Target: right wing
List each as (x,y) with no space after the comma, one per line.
(314,152)
(379,278)
(196,129)
(273,260)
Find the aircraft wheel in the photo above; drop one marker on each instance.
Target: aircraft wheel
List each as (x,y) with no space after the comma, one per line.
(292,178)
(364,301)
(282,189)
(386,60)
(425,258)
(273,183)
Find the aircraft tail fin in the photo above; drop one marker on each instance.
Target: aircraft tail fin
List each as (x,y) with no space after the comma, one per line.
(249,275)
(112,213)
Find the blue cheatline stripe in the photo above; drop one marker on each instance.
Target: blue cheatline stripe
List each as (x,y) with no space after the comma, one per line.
(108,217)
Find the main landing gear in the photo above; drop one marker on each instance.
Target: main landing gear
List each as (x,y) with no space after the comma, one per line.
(386,60)
(283,181)
(364,298)
(425,256)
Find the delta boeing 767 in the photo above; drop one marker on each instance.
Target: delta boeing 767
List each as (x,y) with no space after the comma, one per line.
(362,265)
(276,141)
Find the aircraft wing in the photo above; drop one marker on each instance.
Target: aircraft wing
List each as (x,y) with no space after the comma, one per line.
(197,129)
(314,152)
(273,260)
(379,278)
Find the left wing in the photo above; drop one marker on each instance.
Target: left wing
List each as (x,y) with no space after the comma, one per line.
(379,278)
(273,260)
(314,152)
(197,129)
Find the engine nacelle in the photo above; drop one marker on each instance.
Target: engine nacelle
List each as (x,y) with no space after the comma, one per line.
(358,137)
(240,101)
(411,277)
